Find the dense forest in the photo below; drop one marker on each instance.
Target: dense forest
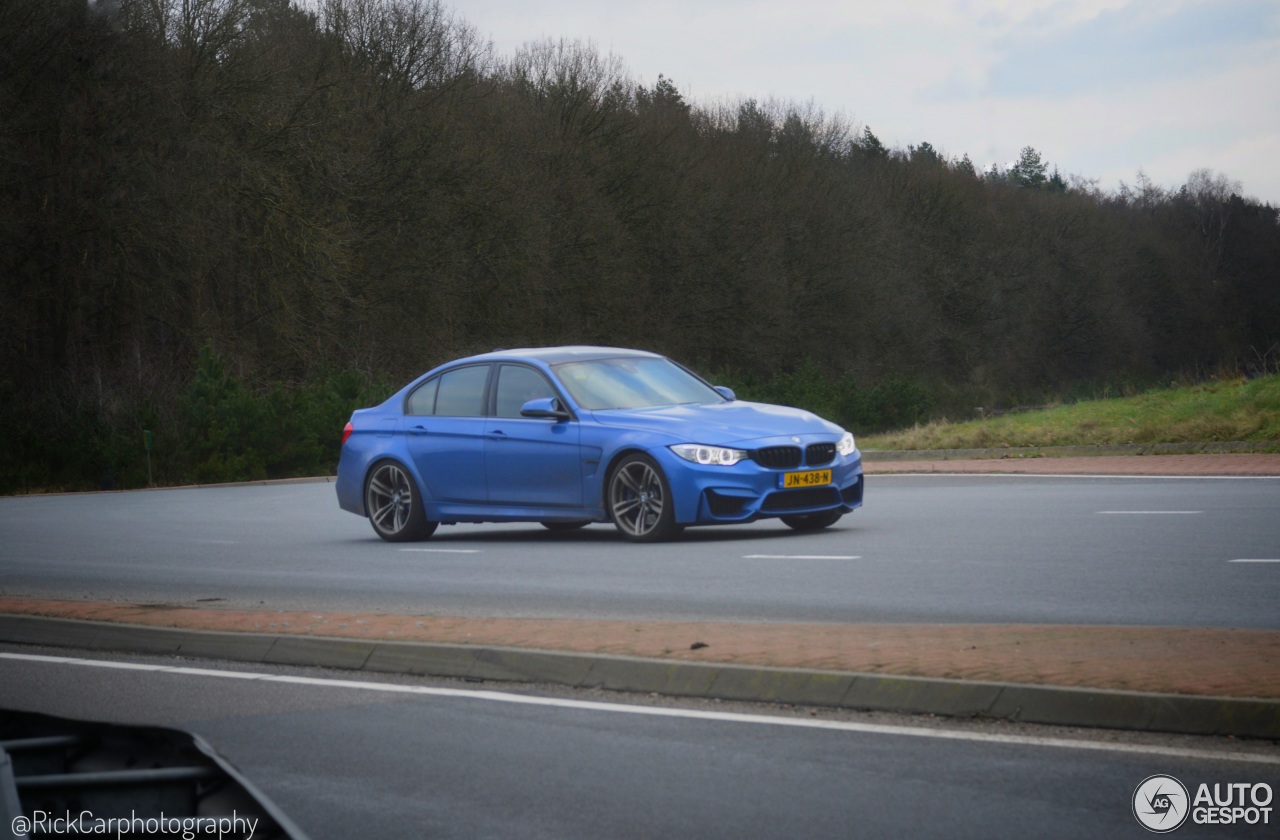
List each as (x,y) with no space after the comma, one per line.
(229,222)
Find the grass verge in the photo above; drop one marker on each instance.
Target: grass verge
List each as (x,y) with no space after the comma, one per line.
(1227,410)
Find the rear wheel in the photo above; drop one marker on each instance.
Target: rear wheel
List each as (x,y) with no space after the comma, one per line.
(813,521)
(640,502)
(393,505)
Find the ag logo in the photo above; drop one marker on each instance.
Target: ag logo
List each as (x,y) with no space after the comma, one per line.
(1161,804)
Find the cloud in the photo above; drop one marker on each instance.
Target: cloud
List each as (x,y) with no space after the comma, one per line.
(1135,45)
(1102,88)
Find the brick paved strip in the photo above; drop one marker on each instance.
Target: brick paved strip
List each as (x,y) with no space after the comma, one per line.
(1166,660)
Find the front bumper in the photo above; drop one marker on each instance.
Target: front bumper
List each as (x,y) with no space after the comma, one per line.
(706,494)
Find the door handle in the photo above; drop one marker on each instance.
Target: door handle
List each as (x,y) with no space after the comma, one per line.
(418,430)
(497,434)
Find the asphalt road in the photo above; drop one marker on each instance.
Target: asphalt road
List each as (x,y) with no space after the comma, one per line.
(1152,551)
(415,758)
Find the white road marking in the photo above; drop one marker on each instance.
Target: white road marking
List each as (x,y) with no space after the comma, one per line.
(1149,512)
(801,557)
(444,550)
(1255,560)
(656,711)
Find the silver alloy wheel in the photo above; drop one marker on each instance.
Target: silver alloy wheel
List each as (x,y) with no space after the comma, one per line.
(636,498)
(389,500)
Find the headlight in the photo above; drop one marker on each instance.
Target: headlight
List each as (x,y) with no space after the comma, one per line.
(716,455)
(846,446)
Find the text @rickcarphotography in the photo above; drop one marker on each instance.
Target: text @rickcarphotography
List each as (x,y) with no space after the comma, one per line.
(232,827)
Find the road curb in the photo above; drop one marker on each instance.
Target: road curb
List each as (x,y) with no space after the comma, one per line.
(1184,714)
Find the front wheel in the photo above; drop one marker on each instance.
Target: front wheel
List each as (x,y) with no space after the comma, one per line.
(813,521)
(393,505)
(640,502)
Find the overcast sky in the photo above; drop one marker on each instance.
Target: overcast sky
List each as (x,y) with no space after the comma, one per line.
(1102,88)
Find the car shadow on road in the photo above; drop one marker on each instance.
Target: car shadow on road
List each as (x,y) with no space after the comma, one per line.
(605,534)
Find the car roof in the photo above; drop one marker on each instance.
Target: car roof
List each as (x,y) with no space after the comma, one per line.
(559,355)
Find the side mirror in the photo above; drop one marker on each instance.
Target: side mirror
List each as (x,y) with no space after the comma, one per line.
(548,408)
(727,393)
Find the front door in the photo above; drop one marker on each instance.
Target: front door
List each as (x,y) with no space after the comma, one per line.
(530,461)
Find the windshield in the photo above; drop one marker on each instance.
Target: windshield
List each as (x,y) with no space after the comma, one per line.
(605,384)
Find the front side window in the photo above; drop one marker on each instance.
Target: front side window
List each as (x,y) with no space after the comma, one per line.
(516,386)
(461,392)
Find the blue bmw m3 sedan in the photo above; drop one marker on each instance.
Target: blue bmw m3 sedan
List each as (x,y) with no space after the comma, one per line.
(567,436)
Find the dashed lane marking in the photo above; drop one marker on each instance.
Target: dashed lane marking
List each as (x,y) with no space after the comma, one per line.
(444,550)
(801,557)
(1149,512)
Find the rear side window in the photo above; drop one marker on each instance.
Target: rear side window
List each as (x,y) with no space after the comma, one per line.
(423,400)
(516,386)
(461,392)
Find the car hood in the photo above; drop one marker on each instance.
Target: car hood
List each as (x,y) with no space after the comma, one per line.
(719,423)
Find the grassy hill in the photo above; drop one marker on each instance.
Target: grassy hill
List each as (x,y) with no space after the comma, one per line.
(1227,410)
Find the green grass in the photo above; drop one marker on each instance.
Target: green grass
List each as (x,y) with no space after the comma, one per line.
(1226,410)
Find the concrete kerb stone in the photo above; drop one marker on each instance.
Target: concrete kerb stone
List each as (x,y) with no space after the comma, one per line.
(266,482)
(440,660)
(348,654)
(33,630)
(922,695)
(214,645)
(1216,716)
(957,698)
(523,665)
(1082,707)
(1134,710)
(658,676)
(799,687)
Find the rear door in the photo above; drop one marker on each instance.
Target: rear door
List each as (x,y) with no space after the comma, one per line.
(444,429)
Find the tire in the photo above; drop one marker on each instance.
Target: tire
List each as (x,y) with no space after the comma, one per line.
(566,526)
(394,507)
(640,502)
(813,521)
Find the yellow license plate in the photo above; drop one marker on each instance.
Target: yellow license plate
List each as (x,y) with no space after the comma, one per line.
(812,478)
